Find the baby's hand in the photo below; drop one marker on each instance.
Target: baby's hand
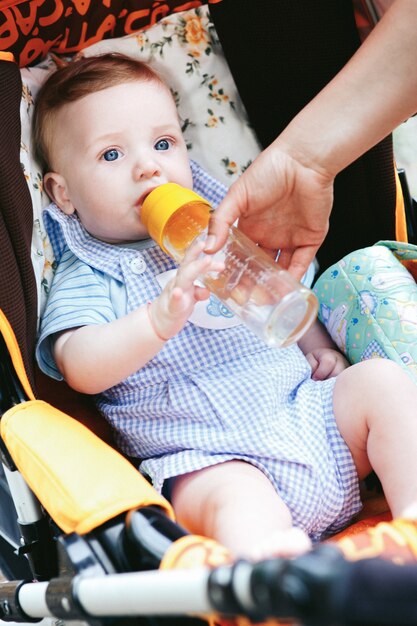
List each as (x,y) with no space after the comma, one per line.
(326,363)
(172,308)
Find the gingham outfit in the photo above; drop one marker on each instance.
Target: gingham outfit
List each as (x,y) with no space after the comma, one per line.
(212,396)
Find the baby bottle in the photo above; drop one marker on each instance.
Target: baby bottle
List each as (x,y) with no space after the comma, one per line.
(268,299)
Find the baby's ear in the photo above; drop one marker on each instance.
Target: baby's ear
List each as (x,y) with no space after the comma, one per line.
(56,188)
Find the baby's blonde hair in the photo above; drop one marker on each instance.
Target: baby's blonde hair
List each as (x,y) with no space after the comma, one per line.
(75,80)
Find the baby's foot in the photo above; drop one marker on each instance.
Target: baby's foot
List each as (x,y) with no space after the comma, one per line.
(282,543)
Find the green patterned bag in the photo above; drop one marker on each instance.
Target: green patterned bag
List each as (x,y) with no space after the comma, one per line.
(368,303)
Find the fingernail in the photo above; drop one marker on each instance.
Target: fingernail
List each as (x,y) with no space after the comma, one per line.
(210,243)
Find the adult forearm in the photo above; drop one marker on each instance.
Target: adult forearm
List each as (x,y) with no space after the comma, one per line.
(372,94)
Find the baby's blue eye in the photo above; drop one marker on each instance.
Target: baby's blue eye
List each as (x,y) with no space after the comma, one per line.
(111,155)
(162,144)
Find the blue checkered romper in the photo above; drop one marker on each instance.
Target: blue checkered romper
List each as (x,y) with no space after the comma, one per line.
(210,396)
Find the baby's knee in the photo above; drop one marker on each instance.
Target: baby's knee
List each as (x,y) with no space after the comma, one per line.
(381,372)
(370,386)
(207,489)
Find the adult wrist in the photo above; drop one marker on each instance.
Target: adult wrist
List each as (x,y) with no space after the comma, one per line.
(297,143)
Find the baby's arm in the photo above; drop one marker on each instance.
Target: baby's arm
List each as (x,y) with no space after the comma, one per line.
(321,353)
(94,358)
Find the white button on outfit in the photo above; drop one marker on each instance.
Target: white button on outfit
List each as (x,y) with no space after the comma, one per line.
(138,265)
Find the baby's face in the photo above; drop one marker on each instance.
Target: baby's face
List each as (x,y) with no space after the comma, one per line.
(112,148)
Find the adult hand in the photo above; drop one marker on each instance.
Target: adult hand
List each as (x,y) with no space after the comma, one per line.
(284,198)
(281,204)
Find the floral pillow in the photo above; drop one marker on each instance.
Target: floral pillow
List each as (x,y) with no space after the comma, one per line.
(184,49)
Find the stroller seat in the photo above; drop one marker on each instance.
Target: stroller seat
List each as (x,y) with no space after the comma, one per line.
(98,517)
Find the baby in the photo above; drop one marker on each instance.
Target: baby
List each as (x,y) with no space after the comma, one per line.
(261,449)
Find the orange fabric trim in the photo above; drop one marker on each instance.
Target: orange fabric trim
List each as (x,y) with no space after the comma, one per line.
(194,4)
(30,28)
(395,540)
(401,226)
(400,222)
(7,56)
(11,3)
(194,551)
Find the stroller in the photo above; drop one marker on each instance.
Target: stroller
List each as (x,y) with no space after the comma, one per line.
(83,537)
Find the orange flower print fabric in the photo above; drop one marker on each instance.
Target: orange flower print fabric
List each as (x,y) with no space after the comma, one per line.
(32,28)
(194,33)
(184,49)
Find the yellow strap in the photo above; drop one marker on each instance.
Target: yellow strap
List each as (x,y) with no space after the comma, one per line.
(81,481)
(15,354)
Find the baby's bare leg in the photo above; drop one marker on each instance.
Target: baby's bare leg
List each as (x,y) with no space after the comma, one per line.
(236,504)
(375,405)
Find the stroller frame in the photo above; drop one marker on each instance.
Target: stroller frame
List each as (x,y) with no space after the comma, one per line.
(108,573)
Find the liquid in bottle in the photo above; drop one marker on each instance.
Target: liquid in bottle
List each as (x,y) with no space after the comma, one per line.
(267,298)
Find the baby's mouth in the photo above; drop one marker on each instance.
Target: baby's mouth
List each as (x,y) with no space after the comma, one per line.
(143,197)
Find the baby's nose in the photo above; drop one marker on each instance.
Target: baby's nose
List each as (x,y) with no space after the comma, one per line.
(146,168)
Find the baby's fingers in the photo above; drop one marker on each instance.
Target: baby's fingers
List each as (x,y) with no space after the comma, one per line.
(201,293)
(193,252)
(323,370)
(193,268)
(187,275)
(312,361)
(180,301)
(196,251)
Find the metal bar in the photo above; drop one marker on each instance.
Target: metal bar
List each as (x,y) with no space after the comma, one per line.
(170,592)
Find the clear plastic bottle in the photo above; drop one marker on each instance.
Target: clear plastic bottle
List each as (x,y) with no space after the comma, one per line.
(268,299)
